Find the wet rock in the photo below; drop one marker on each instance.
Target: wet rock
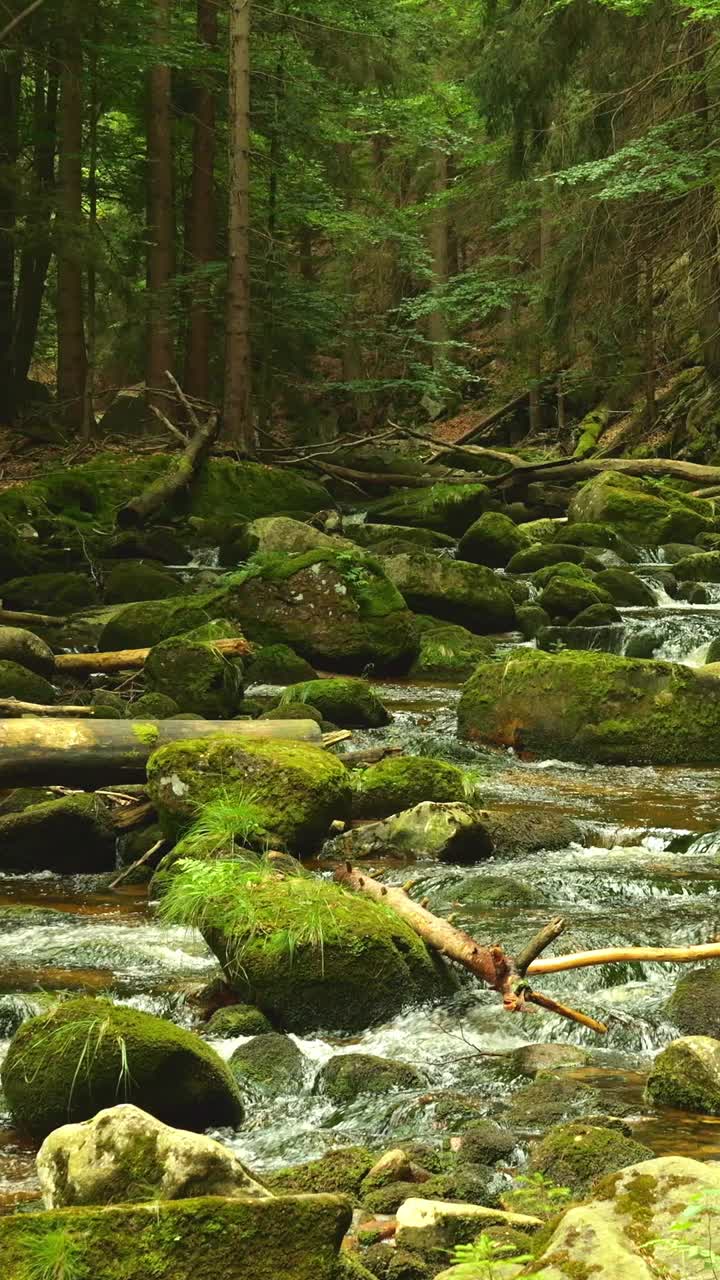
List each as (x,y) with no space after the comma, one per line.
(576,1155)
(584,534)
(237,1020)
(574,635)
(434,1228)
(142,625)
(27,650)
(686,1076)
(270,1064)
(394,1264)
(454,590)
(492,540)
(448,832)
(53,593)
(565,598)
(625,588)
(517,833)
(131,580)
(694,1006)
(542,555)
(530,619)
(196,676)
(402,782)
(340,1171)
(161,545)
(533,1059)
(299,788)
(153,706)
(444,508)
(348,1075)
(294,711)
(471,1184)
(280,533)
(551,1099)
(448,652)
(597,615)
(563,569)
(486,1142)
(643,511)
(23,684)
(394,1166)
(591,706)
(278,664)
(167,1071)
(123,1154)
(704,566)
(373,535)
(484,892)
(69,835)
(344,700)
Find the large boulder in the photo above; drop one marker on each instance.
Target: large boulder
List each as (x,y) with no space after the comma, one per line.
(625,587)
(145,624)
(645,512)
(376,536)
(575,1155)
(71,835)
(278,664)
(702,567)
(344,700)
(53,593)
(492,540)
(27,650)
(448,652)
(131,580)
(196,675)
(686,1076)
(125,1154)
(300,788)
(627,1228)
(444,508)
(293,1237)
(309,954)
(79,1058)
(400,782)
(470,594)
(25,685)
(595,706)
(694,1006)
(269,1064)
(448,832)
(566,597)
(281,533)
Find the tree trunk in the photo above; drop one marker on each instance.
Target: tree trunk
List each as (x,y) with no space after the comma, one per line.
(10,73)
(201,238)
(237,422)
(440,253)
(703,223)
(35,261)
(89,408)
(71,354)
(161,215)
(650,353)
(163,490)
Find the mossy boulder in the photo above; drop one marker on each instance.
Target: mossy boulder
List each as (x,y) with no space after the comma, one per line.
(565,598)
(294,711)
(237,1020)
(541,555)
(594,706)
(645,512)
(602,615)
(161,545)
(400,782)
(54,593)
(448,652)
(270,1064)
(686,1076)
(27,650)
(131,580)
(534,1059)
(444,508)
(196,676)
(70,835)
(530,619)
(454,833)
(348,1075)
(576,1155)
(703,567)
(299,787)
(341,1171)
(293,1237)
(154,706)
(625,587)
(694,1006)
(454,590)
(492,540)
(346,701)
(581,534)
(70,1063)
(372,536)
(145,624)
(18,682)
(485,1142)
(282,533)
(17,555)
(551,1098)
(278,664)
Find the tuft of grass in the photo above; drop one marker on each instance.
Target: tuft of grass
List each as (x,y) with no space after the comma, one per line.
(85,1036)
(228,823)
(54,1255)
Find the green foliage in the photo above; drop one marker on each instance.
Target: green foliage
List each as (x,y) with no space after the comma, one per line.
(227,824)
(55,1255)
(484,1252)
(538,1195)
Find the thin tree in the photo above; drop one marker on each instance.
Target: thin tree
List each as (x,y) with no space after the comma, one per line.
(161,214)
(71,353)
(10,73)
(237,422)
(201,216)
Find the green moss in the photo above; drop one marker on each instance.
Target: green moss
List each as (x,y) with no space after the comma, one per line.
(703,567)
(455,590)
(153,706)
(68,835)
(18,682)
(541,555)
(625,587)
(686,1076)
(567,597)
(348,1075)
(400,782)
(237,1020)
(132,580)
(531,618)
(694,1006)
(146,733)
(88,1054)
(445,508)
(270,1064)
(143,625)
(350,703)
(278,664)
(196,675)
(492,540)
(644,512)
(576,1155)
(339,1171)
(54,593)
(448,652)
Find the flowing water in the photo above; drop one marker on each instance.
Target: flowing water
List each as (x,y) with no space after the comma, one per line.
(645,869)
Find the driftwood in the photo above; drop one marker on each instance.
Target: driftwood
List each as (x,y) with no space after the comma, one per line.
(128,816)
(371,755)
(162,491)
(94,752)
(623,955)
(134,659)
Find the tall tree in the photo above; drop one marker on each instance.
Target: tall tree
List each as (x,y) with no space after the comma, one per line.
(71,353)
(161,212)
(10,74)
(237,420)
(201,248)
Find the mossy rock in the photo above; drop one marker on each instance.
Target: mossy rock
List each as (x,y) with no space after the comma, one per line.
(625,587)
(593,706)
(161,545)
(131,580)
(531,618)
(294,711)
(340,1171)
(580,534)
(401,782)
(17,556)
(565,598)
(686,1076)
(27,650)
(70,835)
(293,1237)
(54,593)
(454,590)
(139,626)
(278,664)
(18,799)
(270,1064)
(703,567)
(644,512)
(153,706)
(541,555)
(486,1142)
(448,652)
(348,1075)
(602,615)
(301,788)
(576,1155)
(69,1064)
(236,1020)
(694,1006)
(563,569)
(346,701)
(535,1059)
(278,533)
(250,490)
(444,508)
(492,540)
(196,675)
(480,893)
(18,682)
(373,536)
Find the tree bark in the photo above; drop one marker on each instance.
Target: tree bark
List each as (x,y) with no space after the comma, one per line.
(134,659)
(71,353)
(89,406)
(201,239)
(438,332)
(237,421)
(10,76)
(35,259)
(163,490)
(93,752)
(703,222)
(161,215)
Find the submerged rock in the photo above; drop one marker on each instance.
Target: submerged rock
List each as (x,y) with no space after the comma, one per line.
(348,1075)
(400,782)
(71,1063)
(270,1064)
(455,590)
(125,1154)
(694,1005)
(576,1155)
(532,1059)
(686,1076)
(69,835)
(343,700)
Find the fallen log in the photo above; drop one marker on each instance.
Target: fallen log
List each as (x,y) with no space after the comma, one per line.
(163,490)
(93,752)
(11,618)
(134,659)
(585,468)
(14,707)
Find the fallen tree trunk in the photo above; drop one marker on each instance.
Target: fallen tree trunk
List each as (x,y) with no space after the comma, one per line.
(13,707)
(162,491)
(584,468)
(134,659)
(9,618)
(93,752)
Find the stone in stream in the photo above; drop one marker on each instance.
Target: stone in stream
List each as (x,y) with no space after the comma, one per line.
(131,580)
(552,1098)
(270,1064)
(575,1155)
(626,1229)
(196,676)
(71,835)
(492,540)
(564,598)
(625,588)
(347,1075)
(27,650)
(279,533)
(153,706)
(448,652)
(598,615)
(75,1060)
(704,566)
(51,593)
(455,590)
(434,1227)
(597,707)
(342,1172)
(278,664)
(530,619)
(643,511)
(545,555)
(372,536)
(400,782)
(213,1237)
(449,832)
(533,1059)
(694,1006)
(346,701)
(686,1076)
(594,534)
(236,1020)
(125,1154)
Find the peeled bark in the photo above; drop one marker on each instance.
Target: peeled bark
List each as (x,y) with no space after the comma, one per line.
(201,218)
(71,357)
(161,216)
(134,659)
(37,751)
(237,423)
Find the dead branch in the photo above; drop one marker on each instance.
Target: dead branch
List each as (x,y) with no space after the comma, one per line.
(9,618)
(623,955)
(584,469)
(134,659)
(13,707)
(135,865)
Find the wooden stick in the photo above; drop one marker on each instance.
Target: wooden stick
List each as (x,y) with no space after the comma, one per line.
(622,955)
(134,659)
(583,469)
(134,865)
(564,1011)
(14,707)
(538,944)
(9,618)
(129,816)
